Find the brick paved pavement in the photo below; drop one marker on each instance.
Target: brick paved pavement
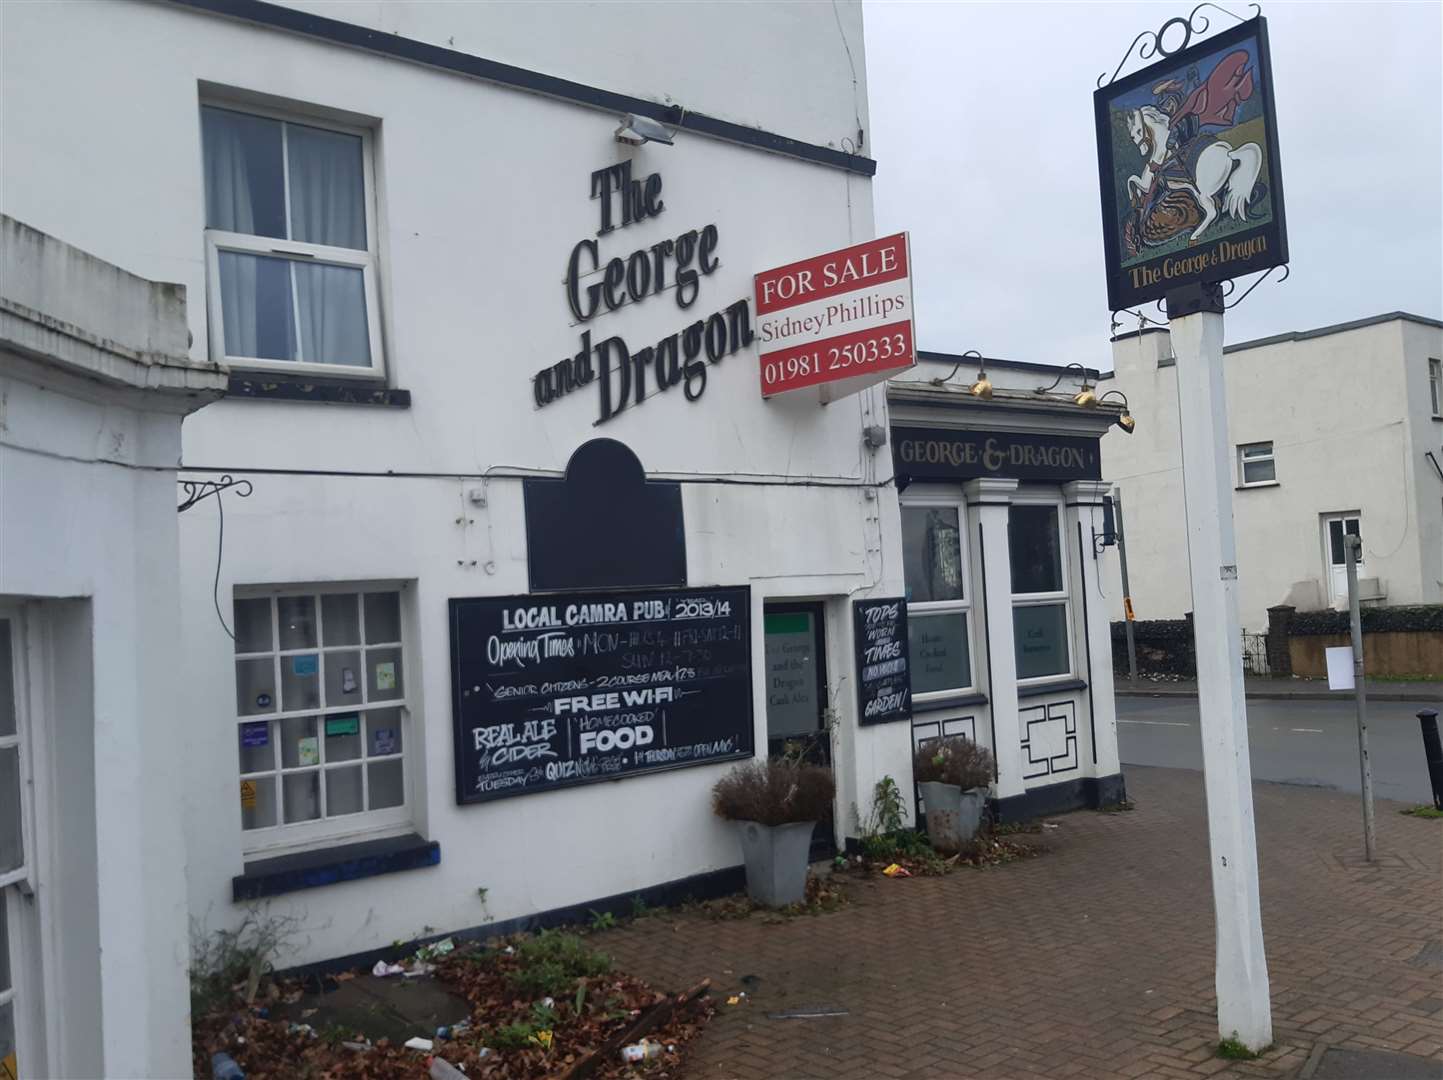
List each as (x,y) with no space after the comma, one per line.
(1093,960)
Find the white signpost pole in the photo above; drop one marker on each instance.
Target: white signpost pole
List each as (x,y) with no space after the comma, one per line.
(1195,317)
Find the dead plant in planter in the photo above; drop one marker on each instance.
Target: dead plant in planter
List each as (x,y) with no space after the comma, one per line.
(955,760)
(775,792)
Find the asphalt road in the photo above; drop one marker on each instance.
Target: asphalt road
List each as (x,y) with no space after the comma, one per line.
(1314,743)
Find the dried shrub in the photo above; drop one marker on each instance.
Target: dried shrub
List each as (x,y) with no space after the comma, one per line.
(955,760)
(774,793)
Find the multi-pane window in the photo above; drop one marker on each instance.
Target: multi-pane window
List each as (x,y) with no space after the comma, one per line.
(321,711)
(1256,465)
(290,244)
(1040,622)
(935,573)
(1435,385)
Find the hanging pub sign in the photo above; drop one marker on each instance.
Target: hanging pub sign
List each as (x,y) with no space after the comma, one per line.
(840,321)
(1187,148)
(884,683)
(920,453)
(564,689)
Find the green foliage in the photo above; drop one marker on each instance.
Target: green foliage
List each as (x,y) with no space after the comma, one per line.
(550,964)
(639,910)
(602,920)
(899,844)
(1233,1049)
(1423,810)
(233,962)
(517,1036)
(544,1016)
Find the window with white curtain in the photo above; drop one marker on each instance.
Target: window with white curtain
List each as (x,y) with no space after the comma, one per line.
(1040,622)
(290,244)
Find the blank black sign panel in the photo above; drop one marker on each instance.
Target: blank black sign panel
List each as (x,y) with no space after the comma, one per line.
(554,690)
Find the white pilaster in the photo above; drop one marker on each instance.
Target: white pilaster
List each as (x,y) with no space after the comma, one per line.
(988,499)
(1084,507)
(1242,970)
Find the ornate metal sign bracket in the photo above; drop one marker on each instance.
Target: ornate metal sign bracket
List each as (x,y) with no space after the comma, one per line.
(1230,285)
(1154,45)
(196,490)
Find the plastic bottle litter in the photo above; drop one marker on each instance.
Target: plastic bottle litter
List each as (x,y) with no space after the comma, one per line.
(223,1067)
(418,1043)
(453,1031)
(642,1051)
(441,1069)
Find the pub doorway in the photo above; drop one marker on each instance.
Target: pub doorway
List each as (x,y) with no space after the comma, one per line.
(796,688)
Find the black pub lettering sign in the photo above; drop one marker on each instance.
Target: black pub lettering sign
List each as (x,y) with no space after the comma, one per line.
(558,689)
(884,681)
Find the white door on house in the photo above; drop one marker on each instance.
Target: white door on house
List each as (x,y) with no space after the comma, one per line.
(1335,567)
(21,1017)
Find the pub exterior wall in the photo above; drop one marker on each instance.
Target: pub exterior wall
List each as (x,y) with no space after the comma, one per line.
(481,193)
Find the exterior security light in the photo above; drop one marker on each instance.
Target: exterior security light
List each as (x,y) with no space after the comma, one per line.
(1084,397)
(982,388)
(642,129)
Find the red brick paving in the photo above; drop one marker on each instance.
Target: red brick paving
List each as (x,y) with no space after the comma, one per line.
(1093,960)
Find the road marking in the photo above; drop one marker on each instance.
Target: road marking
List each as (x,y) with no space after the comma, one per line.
(1309,730)
(1155,723)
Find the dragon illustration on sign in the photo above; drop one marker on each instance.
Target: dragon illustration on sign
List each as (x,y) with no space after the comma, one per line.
(1190,176)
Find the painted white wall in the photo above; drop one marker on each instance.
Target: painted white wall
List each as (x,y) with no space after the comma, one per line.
(483,191)
(1344,411)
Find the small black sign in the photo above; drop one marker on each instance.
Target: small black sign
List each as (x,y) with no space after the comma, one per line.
(884,683)
(562,689)
(1187,149)
(949,454)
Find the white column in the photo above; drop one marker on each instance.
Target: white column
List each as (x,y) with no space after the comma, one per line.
(1084,507)
(1242,970)
(988,499)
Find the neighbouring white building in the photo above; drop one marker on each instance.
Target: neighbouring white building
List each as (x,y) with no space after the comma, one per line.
(1334,429)
(95,378)
(512,559)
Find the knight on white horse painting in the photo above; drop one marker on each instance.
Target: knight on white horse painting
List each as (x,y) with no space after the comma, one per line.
(1200,144)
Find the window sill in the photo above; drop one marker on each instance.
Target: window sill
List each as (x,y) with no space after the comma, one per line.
(329,866)
(951,701)
(1060,687)
(1259,484)
(267,387)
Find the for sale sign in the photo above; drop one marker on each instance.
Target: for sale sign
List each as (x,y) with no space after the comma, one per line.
(840,322)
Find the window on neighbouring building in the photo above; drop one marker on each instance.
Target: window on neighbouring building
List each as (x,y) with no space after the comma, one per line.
(321,711)
(1256,465)
(1435,385)
(1040,622)
(938,606)
(290,244)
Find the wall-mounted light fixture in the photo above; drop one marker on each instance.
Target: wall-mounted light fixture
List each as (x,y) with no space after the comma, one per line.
(982,387)
(642,129)
(1084,397)
(1124,419)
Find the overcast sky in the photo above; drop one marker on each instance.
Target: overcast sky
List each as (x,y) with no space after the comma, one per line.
(982,127)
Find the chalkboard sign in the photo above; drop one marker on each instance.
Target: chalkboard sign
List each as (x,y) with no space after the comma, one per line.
(560,689)
(884,683)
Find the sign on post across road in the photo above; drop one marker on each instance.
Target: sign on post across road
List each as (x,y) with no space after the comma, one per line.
(840,322)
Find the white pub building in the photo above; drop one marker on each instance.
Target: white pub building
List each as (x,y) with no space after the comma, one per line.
(503,542)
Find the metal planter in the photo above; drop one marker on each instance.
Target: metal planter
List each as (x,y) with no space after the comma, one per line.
(776,861)
(953,815)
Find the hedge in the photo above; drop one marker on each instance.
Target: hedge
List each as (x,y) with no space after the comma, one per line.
(1375,620)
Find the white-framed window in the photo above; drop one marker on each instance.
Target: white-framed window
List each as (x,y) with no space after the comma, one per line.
(1435,385)
(1256,465)
(323,727)
(939,602)
(1041,615)
(290,243)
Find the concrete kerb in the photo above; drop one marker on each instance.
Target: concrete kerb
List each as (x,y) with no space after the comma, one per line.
(1430,697)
